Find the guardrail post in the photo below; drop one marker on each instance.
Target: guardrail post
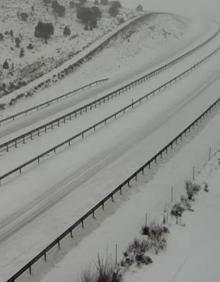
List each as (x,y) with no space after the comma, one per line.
(45,256)
(30,270)
(93,213)
(82,221)
(136,177)
(71,233)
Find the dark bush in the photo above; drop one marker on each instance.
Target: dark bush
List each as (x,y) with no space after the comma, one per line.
(1,37)
(47,2)
(30,46)
(87,16)
(21,53)
(58,9)
(44,30)
(66,31)
(97,12)
(104,2)
(17,42)
(72,4)
(139,8)
(5,65)
(2,107)
(116,4)
(24,16)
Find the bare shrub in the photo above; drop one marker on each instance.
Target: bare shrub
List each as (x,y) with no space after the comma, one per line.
(191,189)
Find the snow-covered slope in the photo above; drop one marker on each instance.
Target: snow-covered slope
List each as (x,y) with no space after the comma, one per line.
(43,57)
(158,36)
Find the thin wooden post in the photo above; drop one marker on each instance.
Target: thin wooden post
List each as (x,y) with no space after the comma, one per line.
(172,189)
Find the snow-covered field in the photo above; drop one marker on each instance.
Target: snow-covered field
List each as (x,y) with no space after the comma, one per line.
(193,251)
(39,204)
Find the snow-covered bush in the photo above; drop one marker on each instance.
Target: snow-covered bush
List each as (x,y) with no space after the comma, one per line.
(66,31)
(30,46)
(139,8)
(24,16)
(17,42)
(191,189)
(106,271)
(2,106)
(5,65)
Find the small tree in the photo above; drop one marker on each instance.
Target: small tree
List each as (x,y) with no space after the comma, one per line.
(58,9)
(139,8)
(24,16)
(116,4)
(1,37)
(72,4)
(21,55)
(82,2)
(11,33)
(96,2)
(113,11)
(97,12)
(104,2)
(47,2)
(87,16)
(44,30)
(30,46)
(17,42)
(66,31)
(5,65)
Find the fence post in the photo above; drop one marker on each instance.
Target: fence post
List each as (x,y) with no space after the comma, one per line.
(172,188)
(193,172)
(146,219)
(116,254)
(210,153)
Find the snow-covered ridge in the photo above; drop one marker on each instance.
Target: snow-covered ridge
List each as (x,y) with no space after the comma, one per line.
(17,35)
(67,67)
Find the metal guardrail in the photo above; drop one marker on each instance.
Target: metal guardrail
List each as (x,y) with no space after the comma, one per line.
(110,196)
(81,134)
(56,122)
(49,102)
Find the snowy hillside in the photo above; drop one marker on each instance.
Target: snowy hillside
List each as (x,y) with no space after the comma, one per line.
(155,34)
(26,56)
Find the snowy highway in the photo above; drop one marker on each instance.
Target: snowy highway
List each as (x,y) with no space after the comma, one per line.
(35,212)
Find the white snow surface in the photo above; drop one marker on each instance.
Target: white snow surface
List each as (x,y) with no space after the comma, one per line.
(193,251)
(194,8)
